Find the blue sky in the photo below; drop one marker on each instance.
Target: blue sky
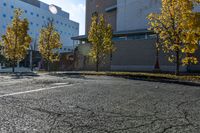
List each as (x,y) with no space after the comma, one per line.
(76,8)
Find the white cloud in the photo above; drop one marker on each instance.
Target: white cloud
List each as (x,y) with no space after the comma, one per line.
(77,13)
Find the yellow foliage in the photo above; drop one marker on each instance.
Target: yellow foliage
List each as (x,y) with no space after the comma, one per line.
(16,40)
(49,43)
(178,27)
(100,36)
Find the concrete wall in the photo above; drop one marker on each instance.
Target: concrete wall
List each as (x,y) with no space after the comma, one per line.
(99,6)
(131,14)
(130,55)
(139,55)
(84,62)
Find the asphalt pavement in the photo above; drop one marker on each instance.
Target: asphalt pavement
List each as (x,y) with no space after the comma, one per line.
(96,104)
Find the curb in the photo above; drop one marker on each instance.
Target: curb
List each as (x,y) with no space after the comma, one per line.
(134,77)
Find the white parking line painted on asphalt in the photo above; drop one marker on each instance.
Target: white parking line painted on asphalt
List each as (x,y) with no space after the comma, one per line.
(36,90)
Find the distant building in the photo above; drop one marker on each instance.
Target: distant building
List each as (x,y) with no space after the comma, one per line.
(134,42)
(38,14)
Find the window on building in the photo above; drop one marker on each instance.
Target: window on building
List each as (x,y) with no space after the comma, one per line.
(131,37)
(11,17)
(25,11)
(151,36)
(136,37)
(12,6)
(31,13)
(4,15)
(4,4)
(38,15)
(121,38)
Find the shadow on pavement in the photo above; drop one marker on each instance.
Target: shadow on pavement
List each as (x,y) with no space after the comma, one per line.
(164,80)
(67,75)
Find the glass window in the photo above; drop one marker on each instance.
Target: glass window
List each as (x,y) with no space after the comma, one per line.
(31,13)
(120,38)
(4,4)
(136,37)
(4,15)
(151,36)
(12,6)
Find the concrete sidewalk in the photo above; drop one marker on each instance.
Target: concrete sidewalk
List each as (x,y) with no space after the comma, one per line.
(17,69)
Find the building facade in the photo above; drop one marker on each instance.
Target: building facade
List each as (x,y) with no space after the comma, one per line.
(38,14)
(135,44)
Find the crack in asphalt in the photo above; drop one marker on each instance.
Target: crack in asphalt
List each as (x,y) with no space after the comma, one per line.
(147,113)
(154,118)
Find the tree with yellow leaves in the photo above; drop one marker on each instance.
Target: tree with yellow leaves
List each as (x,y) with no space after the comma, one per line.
(49,43)
(16,40)
(178,29)
(100,36)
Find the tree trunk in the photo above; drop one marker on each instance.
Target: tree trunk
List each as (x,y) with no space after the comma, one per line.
(157,64)
(48,66)
(177,63)
(97,64)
